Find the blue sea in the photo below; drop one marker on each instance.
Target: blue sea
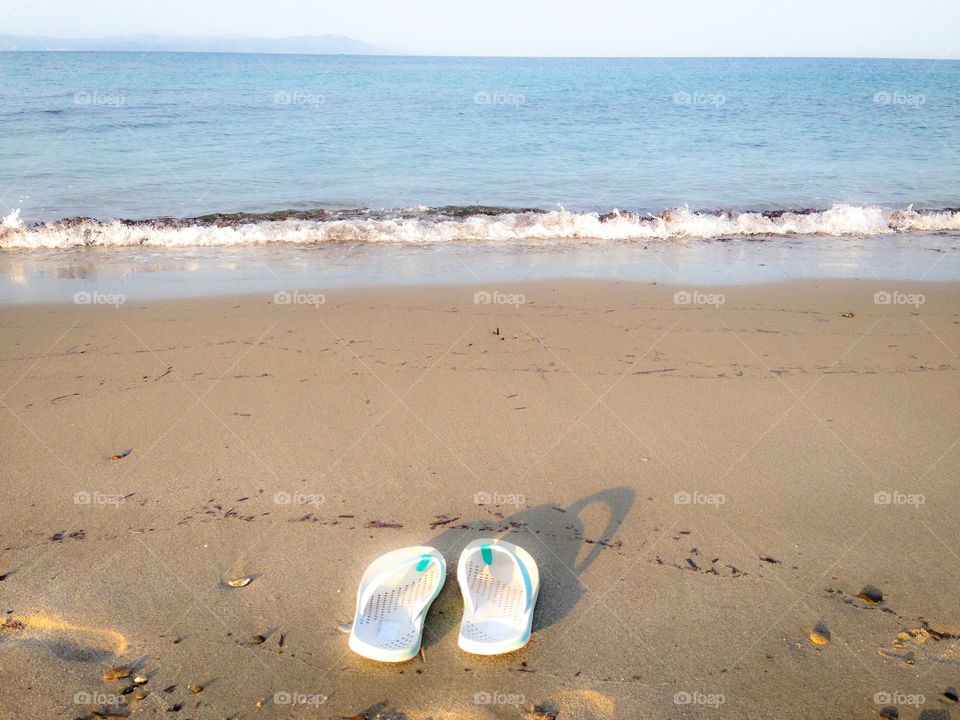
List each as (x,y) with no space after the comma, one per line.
(171,150)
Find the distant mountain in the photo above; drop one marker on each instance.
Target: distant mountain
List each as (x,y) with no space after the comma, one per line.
(302,45)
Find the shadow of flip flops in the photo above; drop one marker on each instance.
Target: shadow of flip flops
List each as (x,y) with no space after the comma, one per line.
(562,540)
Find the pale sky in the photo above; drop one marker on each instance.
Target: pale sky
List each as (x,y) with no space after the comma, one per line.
(843,28)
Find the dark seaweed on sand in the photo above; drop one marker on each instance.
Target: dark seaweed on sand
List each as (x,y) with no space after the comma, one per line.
(384,525)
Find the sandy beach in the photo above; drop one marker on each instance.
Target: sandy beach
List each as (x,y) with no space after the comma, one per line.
(707,480)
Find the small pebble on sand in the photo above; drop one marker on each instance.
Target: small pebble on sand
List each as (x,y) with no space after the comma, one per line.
(820,635)
(871,594)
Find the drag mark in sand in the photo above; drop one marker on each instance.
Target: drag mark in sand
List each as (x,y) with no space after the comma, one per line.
(64,639)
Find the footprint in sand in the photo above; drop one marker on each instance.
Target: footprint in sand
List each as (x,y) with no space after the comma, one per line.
(64,640)
(569,705)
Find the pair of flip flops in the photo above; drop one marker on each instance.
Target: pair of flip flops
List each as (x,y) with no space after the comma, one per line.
(499,582)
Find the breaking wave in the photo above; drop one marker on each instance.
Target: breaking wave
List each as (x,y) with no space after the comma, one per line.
(475,224)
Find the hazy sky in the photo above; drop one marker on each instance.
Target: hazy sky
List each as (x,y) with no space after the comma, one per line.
(865,28)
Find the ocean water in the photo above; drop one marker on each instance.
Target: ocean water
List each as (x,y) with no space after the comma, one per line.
(167,174)
(317,149)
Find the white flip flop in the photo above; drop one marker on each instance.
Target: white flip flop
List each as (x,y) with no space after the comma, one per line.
(500,583)
(392,601)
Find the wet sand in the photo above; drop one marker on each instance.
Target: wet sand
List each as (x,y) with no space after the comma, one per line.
(706,487)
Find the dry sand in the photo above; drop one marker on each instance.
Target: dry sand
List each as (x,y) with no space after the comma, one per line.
(294,444)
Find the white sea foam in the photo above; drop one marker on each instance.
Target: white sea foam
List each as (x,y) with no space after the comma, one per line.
(425,227)
(12,221)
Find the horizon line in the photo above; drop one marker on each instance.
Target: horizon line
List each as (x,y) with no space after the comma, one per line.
(486,57)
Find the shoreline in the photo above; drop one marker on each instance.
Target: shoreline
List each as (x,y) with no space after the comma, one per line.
(137,274)
(465,290)
(700,484)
